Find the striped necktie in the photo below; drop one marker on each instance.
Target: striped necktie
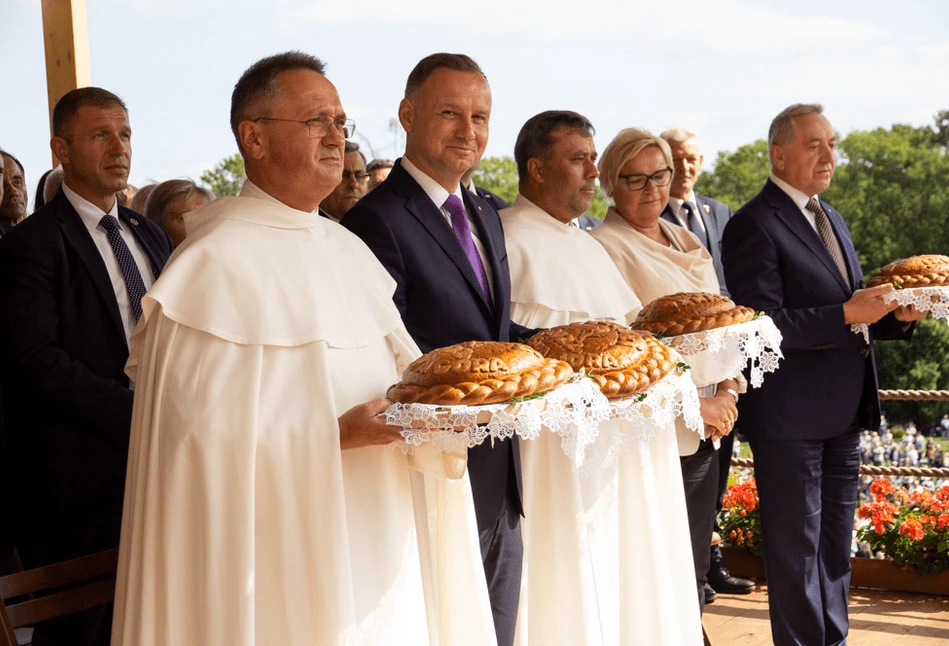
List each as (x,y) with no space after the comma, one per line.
(826,233)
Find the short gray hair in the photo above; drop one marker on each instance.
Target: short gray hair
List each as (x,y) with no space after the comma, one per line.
(783,129)
(156,208)
(678,134)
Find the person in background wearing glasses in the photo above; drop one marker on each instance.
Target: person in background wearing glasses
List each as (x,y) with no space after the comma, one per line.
(658,258)
(265,503)
(355,184)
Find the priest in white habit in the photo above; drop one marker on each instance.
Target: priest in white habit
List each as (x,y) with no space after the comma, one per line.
(266,500)
(606,552)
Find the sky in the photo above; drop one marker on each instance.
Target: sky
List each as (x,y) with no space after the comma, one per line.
(723,68)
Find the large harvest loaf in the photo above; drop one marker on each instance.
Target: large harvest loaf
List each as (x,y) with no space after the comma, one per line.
(686,312)
(919,271)
(478,372)
(621,361)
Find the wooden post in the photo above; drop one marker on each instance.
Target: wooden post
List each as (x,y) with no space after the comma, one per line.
(66,41)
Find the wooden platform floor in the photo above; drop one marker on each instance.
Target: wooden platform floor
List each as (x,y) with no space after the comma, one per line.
(877,618)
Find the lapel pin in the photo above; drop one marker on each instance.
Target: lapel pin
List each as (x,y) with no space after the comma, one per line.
(705,206)
(133,221)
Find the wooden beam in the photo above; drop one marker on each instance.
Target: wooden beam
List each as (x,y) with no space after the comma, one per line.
(66,40)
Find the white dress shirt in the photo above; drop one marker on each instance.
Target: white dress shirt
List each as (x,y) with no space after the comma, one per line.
(675,205)
(437,194)
(91,216)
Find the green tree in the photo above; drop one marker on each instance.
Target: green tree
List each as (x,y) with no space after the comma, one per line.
(738,175)
(892,187)
(499,175)
(227,177)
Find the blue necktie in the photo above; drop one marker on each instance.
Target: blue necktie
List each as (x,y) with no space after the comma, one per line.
(695,224)
(133,279)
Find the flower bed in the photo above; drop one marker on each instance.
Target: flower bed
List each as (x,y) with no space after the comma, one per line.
(911,528)
(741,518)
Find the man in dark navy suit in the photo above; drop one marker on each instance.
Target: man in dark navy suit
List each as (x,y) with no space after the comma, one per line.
(445,248)
(788,253)
(701,215)
(706,218)
(74,274)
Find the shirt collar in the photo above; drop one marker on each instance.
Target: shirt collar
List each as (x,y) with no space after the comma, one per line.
(435,191)
(798,197)
(89,212)
(676,204)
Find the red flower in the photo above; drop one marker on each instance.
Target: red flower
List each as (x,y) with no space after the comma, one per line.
(881,487)
(943,522)
(912,528)
(943,493)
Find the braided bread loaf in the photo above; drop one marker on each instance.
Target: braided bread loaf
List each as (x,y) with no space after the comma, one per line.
(685,312)
(478,372)
(919,271)
(621,361)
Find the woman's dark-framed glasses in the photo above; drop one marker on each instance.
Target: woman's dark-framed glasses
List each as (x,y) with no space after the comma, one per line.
(637,182)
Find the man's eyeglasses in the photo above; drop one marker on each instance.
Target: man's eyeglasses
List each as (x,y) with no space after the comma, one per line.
(359,175)
(319,127)
(638,182)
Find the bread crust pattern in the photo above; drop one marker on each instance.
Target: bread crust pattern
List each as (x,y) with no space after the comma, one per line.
(478,372)
(621,361)
(929,270)
(688,312)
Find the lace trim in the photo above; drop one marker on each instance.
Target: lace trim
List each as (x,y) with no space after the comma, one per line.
(934,300)
(755,343)
(574,411)
(863,329)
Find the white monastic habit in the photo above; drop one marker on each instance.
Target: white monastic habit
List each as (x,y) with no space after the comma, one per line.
(607,560)
(244,522)
(654,270)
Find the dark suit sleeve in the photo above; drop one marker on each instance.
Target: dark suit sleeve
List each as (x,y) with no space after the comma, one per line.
(890,329)
(755,274)
(373,229)
(37,363)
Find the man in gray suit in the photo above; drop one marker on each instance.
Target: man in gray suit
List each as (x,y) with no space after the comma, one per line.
(706,218)
(701,215)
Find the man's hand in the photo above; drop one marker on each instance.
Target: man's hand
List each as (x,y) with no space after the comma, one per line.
(908,314)
(719,414)
(867,306)
(362,426)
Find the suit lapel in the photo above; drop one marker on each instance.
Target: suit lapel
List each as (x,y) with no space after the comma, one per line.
(431,217)
(789,213)
(77,236)
(711,225)
(849,252)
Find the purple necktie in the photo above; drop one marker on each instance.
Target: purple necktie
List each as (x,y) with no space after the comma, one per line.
(459,223)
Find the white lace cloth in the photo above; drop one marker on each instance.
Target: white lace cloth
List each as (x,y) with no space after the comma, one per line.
(574,411)
(934,300)
(723,353)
